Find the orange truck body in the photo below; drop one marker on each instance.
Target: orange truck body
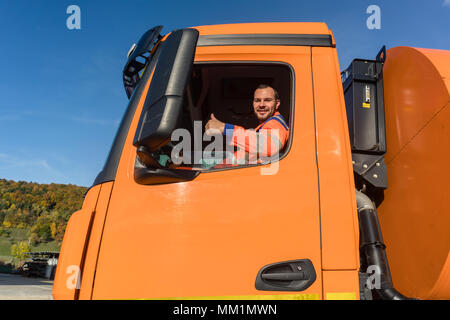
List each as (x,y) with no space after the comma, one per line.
(414,214)
(208,238)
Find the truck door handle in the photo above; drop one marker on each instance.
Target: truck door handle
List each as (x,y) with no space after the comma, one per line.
(284,276)
(293,275)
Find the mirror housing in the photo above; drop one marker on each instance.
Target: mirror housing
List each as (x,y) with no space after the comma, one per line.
(163,105)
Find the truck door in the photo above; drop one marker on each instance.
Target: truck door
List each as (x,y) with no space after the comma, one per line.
(231,233)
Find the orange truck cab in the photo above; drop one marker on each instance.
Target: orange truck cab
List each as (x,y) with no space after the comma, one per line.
(153,226)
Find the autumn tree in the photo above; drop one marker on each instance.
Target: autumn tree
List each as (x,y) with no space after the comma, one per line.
(19,250)
(43,209)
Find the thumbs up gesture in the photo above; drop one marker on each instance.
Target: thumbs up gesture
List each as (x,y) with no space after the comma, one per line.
(214,126)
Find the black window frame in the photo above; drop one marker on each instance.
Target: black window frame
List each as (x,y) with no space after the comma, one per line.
(291,109)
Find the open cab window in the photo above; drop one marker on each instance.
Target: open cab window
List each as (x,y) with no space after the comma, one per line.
(171,139)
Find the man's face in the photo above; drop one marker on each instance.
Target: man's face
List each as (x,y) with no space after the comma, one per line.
(264,103)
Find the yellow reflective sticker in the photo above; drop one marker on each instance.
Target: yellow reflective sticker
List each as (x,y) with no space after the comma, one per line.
(341,296)
(366,105)
(141,73)
(313,296)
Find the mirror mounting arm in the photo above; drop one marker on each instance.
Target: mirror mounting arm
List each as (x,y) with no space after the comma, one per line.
(150,176)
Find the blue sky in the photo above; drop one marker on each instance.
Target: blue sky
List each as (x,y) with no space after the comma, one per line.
(61,90)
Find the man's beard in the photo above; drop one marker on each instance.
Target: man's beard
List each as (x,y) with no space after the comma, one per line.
(265,114)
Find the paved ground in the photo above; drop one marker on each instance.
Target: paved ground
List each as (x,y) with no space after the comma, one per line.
(14,287)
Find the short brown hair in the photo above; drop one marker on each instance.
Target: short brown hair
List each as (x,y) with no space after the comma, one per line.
(265,86)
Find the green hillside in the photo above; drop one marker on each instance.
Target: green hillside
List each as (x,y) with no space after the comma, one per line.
(37,213)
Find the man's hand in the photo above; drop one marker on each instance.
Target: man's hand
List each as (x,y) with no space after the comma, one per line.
(214,126)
